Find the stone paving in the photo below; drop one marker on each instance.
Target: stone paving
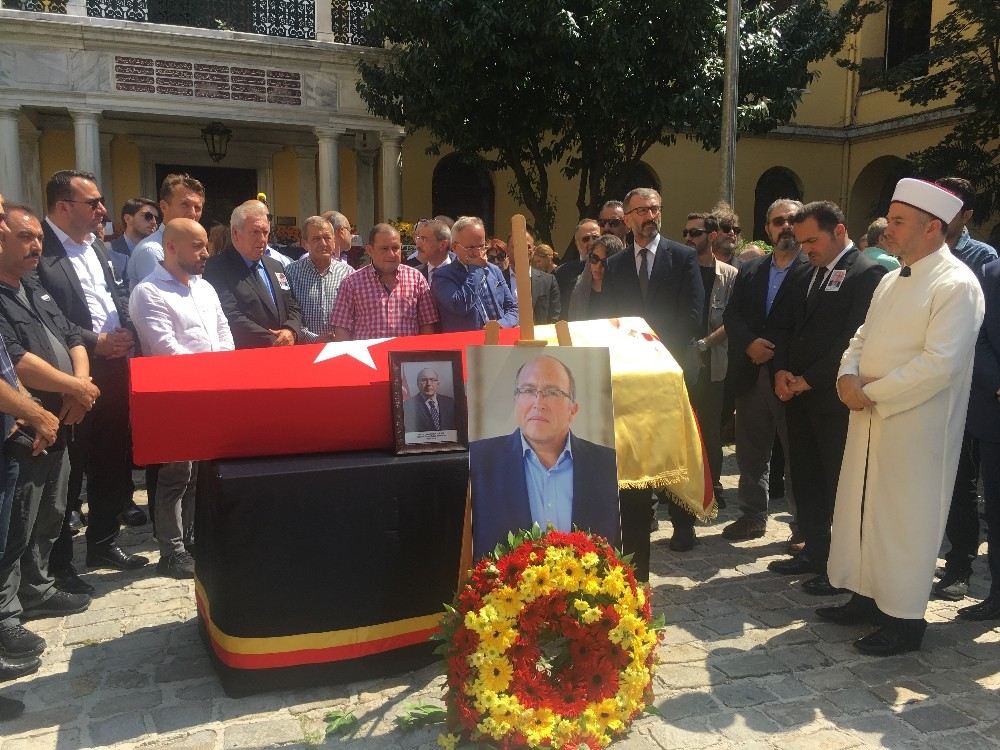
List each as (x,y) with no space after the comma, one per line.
(745,664)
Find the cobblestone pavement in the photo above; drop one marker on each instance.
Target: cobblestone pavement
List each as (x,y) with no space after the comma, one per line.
(745,664)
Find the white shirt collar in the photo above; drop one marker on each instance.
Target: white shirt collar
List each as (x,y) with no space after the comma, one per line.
(833,263)
(64,238)
(651,245)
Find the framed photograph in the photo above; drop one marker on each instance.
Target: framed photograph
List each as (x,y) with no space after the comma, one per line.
(429,412)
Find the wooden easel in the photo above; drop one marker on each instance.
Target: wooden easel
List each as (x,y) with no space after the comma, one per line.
(526,322)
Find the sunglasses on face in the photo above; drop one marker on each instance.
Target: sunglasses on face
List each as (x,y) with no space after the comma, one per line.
(496,257)
(613,223)
(149,216)
(597,260)
(727,228)
(94,203)
(693,232)
(780,221)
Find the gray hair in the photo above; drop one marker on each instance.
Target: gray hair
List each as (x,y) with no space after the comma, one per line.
(247,210)
(582,222)
(642,192)
(466,221)
(782,202)
(315,221)
(611,244)
(613,204)
(439,228)
(337,220)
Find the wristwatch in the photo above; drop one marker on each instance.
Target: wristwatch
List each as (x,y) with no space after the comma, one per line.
(702,345)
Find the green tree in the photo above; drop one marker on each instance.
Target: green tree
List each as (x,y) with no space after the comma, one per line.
(590,85)
(964,61)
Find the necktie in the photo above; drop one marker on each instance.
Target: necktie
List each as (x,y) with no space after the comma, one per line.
(435,414)
(643,271)
(261,274)
(818,280)
(486,298)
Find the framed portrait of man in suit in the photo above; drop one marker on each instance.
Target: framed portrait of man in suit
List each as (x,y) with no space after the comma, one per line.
(428,401)
(541,442)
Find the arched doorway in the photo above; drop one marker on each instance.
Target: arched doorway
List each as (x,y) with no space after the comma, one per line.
(640,174)
(461,187)
(873,190)
(776,182)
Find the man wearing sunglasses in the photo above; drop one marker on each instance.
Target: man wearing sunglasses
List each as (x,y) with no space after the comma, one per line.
(611,220)
(140,217)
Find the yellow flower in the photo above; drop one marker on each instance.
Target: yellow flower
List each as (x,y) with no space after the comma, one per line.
(570,575)
(536,724)
(535,581)
(498,638)
(495,674)
(506,601)
(493,728)
(591,584)
(614,583)
(581,605)
(591,616)
(448,741)
(589,560)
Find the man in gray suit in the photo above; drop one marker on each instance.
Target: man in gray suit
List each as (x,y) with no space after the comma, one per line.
(428,411)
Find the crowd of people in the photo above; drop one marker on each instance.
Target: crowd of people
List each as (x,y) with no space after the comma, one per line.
(846,366)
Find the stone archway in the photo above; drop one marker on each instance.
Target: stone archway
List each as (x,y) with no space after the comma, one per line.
(774,183)
(872,191)
(462,188)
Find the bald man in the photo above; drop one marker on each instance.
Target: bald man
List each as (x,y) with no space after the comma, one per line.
(177,312)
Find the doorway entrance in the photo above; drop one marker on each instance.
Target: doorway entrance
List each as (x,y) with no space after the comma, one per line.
(225,188)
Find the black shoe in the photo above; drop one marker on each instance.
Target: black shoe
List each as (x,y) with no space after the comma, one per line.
(796,565)
(821,586)
(70,582)
(133,515)
(893,638)
(683,539)
(859,610)
(952,587)
(112,556)
(179,565)
(76,521)
(17,642)
(10,708)
(11,668)
(987,609)
(60,604)
(744,528)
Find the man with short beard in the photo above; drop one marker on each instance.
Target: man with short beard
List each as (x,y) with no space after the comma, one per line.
(758,293)
(728,236)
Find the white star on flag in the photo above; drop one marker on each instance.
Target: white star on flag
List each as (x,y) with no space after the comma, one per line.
(356,349)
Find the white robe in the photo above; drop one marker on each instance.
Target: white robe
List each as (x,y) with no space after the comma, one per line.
(900,459)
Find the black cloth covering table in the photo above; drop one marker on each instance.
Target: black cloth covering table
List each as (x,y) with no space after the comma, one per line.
(325,567)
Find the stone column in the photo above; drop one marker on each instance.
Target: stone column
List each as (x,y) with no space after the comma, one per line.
(365,150)
(305,158)
(328,140)
(107,187)
(86,129)
(392,175)
(31,171)
(11,177)
(76,8)
(324,25)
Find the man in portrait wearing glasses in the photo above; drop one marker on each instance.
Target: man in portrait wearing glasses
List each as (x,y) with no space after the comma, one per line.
(472,291)
(139,218)
(76,270)
(181,197)
(542,473)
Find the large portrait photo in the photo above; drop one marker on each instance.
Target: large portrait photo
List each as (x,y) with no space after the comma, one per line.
(541,442)
(428,401)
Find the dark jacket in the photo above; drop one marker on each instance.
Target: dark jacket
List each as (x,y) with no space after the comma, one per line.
(545,302)
(417,417)
(250,309)
(983,421)
(57,276)
(23,329)
(746,318)
(456,290)
(675,296)
(500,491)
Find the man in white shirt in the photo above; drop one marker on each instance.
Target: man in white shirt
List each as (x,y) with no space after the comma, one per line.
(178,312)
(181,197)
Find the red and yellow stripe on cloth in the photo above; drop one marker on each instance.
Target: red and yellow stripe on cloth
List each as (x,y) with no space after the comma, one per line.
(312,648)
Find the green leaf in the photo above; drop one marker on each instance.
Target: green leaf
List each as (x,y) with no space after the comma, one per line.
(340,723)
(420,715)
(653,711)
(659,621)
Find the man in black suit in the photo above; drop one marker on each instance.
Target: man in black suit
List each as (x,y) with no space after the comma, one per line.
(983,424)
(542,473)
(76,270)
(253,289)
(433,241)
(830,297)
(428,411)
(758,295)
(545,302)
(656,279)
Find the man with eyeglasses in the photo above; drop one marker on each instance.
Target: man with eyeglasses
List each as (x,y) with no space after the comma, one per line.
(76,270)
(759,292)
(139,217)
(472,291)
(181,197)
(728,235)
(542,473)
(611,220)
(569,271)
(433,241)
(710,352)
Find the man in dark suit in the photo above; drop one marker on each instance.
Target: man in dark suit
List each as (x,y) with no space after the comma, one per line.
(760,290)
(542,473)
(253,289)
(983,424)
(428,411)
(433,241)
(830,297)
(76,270)
(545,303)
(656,279)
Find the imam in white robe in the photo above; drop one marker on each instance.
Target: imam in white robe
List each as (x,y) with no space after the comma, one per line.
(898,472)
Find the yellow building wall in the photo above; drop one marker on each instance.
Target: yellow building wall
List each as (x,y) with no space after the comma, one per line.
(348,185)
(56,150)
(126,176)
(285,179)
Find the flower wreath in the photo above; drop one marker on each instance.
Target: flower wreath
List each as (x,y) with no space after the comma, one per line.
(550,644)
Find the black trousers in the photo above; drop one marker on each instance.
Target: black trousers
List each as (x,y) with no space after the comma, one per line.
(817,431)
(962,530)
(706,400)
(637,516)
(990,454)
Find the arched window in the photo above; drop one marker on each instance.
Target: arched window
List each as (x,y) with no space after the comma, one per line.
(777,182)
(640,174)
(873,190)
(462,188)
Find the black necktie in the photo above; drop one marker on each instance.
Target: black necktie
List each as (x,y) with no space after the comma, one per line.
(905,272)
(818,280)
(643,271)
